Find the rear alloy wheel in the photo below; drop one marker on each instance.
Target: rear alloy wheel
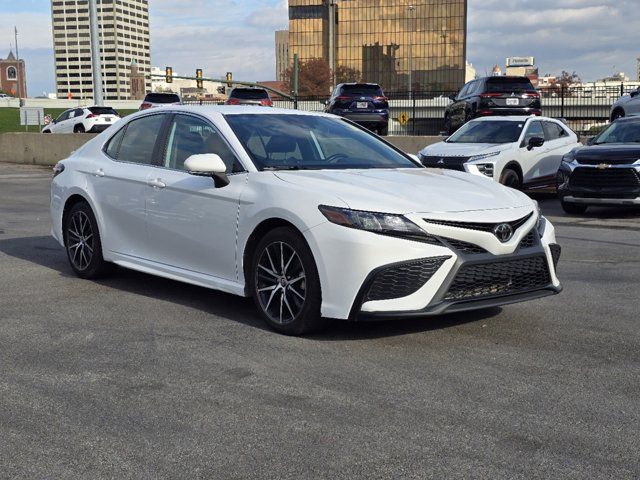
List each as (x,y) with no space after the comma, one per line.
(286,287)
(573,208)
(82,241)
(78,129)
(510,178)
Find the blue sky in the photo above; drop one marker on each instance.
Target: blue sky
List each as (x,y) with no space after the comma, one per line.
(592,37)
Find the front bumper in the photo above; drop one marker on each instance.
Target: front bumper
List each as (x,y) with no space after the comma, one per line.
(349,261)
(599,185)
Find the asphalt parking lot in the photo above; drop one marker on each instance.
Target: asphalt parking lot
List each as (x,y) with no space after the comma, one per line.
(140,377)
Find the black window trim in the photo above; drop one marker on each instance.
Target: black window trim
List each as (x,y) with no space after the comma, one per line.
(165,140)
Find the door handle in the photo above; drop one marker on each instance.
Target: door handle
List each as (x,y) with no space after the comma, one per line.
(99,173)
(157,183)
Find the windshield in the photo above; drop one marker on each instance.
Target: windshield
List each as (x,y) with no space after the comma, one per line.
(162,98)
(497,131)
(293,142)
(619,132)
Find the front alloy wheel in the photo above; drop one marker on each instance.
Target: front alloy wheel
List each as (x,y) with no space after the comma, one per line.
(286,288)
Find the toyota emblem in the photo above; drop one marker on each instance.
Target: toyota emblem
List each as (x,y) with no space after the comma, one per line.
(503,232)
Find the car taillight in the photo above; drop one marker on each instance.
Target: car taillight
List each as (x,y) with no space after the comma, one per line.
(532,95)
(266,102)
(343,98)
(233,101)
(91,115)
(380,99)
(490,95)
(145,105)
(484,113)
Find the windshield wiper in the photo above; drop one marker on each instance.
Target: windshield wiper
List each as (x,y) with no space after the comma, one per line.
(273,168)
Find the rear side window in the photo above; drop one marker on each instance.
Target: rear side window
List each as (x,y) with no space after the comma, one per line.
(249,93)
(139,140)
(553,131)
(162,98)
(362,90)
(508,85)
(102,111)
(114,144)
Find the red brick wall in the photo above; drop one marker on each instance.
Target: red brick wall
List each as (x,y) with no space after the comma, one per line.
(13,87)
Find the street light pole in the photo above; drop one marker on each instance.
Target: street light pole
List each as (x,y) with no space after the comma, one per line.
(96,65)
(410,9)
(332,40)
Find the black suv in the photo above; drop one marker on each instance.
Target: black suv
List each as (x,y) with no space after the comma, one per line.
(605,172)
(249,96)
(363,103)
(492,96)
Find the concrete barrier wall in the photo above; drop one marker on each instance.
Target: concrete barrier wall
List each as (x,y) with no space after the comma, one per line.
(47,149)
(39,148)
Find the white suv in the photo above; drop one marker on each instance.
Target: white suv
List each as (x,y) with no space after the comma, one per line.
(83,119)
(519,152)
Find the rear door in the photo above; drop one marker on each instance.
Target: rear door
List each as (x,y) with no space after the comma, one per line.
(191,224)
(558,142)
(633,106)
(120,182)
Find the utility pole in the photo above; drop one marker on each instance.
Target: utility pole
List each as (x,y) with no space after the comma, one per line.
(296,66)
(96,65)
(332,40)
(20,74)
(410,9)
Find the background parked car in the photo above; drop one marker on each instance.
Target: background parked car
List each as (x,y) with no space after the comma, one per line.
(605,172)
(158,99)
(83,119)
(520,152)
(249,96)
(626,105)
(363,103)
(492,96)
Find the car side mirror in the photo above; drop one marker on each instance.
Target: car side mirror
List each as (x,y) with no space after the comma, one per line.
(208,165)
(535,142)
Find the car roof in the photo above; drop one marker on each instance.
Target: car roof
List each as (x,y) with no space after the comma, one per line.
(233,110)
(514,118)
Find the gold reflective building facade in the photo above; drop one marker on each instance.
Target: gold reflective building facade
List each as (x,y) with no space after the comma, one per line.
(403,45)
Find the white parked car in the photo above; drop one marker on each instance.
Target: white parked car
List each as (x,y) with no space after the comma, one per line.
(520,152)
(626,106)
(307,213)
(83,119)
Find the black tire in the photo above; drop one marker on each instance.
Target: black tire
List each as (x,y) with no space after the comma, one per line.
(288,298)
(78,129)
(82,242)
(616,114)
(46,131)
(383,131)
(510,178)
(573,208)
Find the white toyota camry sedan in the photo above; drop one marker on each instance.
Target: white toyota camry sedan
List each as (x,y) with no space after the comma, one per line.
(309,214)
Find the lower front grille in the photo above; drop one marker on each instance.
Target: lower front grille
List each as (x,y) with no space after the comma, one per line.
(611,178)
(529,240)
(403,279)
(499,278)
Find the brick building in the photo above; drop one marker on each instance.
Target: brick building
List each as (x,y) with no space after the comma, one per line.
(13,78)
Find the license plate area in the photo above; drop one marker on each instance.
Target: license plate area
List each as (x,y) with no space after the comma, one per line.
(362,105)
(513,102)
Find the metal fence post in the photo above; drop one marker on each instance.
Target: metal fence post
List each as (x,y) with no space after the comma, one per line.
(621,88)
(562,89)
(413,113)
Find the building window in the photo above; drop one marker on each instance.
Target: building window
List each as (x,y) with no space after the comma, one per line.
(12,73)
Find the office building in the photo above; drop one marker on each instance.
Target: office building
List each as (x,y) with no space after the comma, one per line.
(13,78)
(124,38)
(401,44)
(282,54)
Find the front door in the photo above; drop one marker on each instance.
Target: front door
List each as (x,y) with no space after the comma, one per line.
(191,224)
(533,161)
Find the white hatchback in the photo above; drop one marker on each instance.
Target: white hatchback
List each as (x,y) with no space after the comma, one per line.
(520,152)
(309,214)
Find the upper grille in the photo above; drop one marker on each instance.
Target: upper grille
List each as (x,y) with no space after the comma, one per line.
(597,160)
(529,240)
(465,247)
(485,227)
(438,161)
(403,279)
(594,178)
(499,278)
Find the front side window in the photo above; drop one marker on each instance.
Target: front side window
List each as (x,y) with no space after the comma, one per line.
(139,140)
(283,141)
(64,116)
(189,135)
(534,130)
(498,131)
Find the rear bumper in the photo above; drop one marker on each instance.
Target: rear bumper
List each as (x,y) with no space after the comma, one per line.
(98,128)
(507,111)
(367,117)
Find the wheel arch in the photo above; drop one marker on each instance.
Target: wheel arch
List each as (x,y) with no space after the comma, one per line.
(515,166)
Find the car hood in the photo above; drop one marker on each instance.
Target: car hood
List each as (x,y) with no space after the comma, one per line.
(409,190)
(462,149)
(609,153)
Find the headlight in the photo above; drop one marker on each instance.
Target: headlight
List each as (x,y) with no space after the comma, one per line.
(483,156)
(382,223)
(540,220)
